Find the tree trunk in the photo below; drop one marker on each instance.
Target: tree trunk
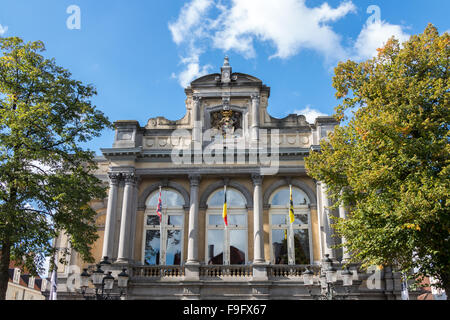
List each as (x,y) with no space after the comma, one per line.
(4,267)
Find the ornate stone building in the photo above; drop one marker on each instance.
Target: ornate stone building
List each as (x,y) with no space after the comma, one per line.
(227,138)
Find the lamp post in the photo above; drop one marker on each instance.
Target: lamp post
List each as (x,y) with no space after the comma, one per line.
(328,280)
(103,283)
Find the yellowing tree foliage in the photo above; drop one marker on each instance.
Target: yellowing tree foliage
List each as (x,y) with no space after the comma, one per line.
(389,165)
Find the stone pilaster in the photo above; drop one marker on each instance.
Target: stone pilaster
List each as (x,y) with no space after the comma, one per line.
(328,243)
(193,220)
(196,129)
(345,253)
(258,231)
(111,213)
(255,117)
(124,254)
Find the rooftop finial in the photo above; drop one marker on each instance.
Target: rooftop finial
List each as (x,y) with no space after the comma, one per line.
(226,61)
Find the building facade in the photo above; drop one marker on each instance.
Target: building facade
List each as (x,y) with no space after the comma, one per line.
(24,286)
(227,145)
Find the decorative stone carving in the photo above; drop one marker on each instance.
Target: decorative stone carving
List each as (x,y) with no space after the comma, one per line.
(129,178)
(226,121)
(257,179)
(114,177)
(194,179)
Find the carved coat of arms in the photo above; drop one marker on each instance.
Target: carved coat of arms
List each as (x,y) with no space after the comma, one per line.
(226,122)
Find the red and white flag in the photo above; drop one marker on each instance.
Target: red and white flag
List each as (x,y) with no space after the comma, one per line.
(159,207)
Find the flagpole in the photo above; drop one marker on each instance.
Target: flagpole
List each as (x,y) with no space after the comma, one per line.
(159,212)
(291,250)
(225,220)
(54,284)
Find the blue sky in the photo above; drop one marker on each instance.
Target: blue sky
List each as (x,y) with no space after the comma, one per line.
(139,54)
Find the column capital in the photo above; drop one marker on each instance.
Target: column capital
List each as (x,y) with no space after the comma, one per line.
(255,97)
(194,179)
(196,98)
(129,177)
(257,179)
(114,177)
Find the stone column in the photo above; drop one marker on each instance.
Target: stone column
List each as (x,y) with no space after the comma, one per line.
(127,205)
(327,223)
(110,224)
(196,130)
(255,117)
(132,230)
(319,218)
(192,256)
(258,231)
(345,253)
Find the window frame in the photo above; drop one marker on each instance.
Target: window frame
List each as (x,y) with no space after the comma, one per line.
(16,276)
(299,209)
(166,212)
(236,210)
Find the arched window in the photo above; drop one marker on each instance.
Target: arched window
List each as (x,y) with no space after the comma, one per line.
(290,243)
(163,242)
(226,245)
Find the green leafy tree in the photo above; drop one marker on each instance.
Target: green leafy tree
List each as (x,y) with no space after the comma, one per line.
(389,164)
(46,178)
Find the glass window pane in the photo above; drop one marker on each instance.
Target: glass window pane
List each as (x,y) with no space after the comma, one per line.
(173,251)
(215,220)
(237,219)
(279,246)
(279,219)
(169,198)
(301,219)
(152,247)
(234,199)
(281,197)
(152,220)
(175,220)
(301,243)
(215,246)
(238,246)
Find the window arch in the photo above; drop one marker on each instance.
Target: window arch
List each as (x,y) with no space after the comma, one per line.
(290,243)
(226,245)
(163,240)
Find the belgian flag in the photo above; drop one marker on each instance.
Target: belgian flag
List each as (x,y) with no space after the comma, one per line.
(291,206)
(224,214)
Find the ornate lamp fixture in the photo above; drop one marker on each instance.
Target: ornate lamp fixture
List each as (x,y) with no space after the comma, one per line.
(328,281)
(103,283)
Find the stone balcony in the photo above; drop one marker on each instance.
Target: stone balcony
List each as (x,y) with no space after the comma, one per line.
(245,282)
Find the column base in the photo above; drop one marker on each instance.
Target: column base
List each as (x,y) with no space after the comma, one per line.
(123,261)
(192,270)
(260,270)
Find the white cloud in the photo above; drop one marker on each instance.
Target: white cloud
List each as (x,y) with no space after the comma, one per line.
(190,16)
(310,113)
(375,35)
(289,25)
(192,70)
(3,29)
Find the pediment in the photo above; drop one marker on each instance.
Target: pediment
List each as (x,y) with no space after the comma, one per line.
(237,78)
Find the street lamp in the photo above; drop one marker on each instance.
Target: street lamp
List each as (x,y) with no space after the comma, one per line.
(327,280)
(103,283)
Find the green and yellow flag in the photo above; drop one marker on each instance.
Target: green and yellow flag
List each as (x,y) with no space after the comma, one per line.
(224,214)
(291,206)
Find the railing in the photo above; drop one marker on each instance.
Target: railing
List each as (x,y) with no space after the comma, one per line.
(221,271)
(158,271)
(288,271)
